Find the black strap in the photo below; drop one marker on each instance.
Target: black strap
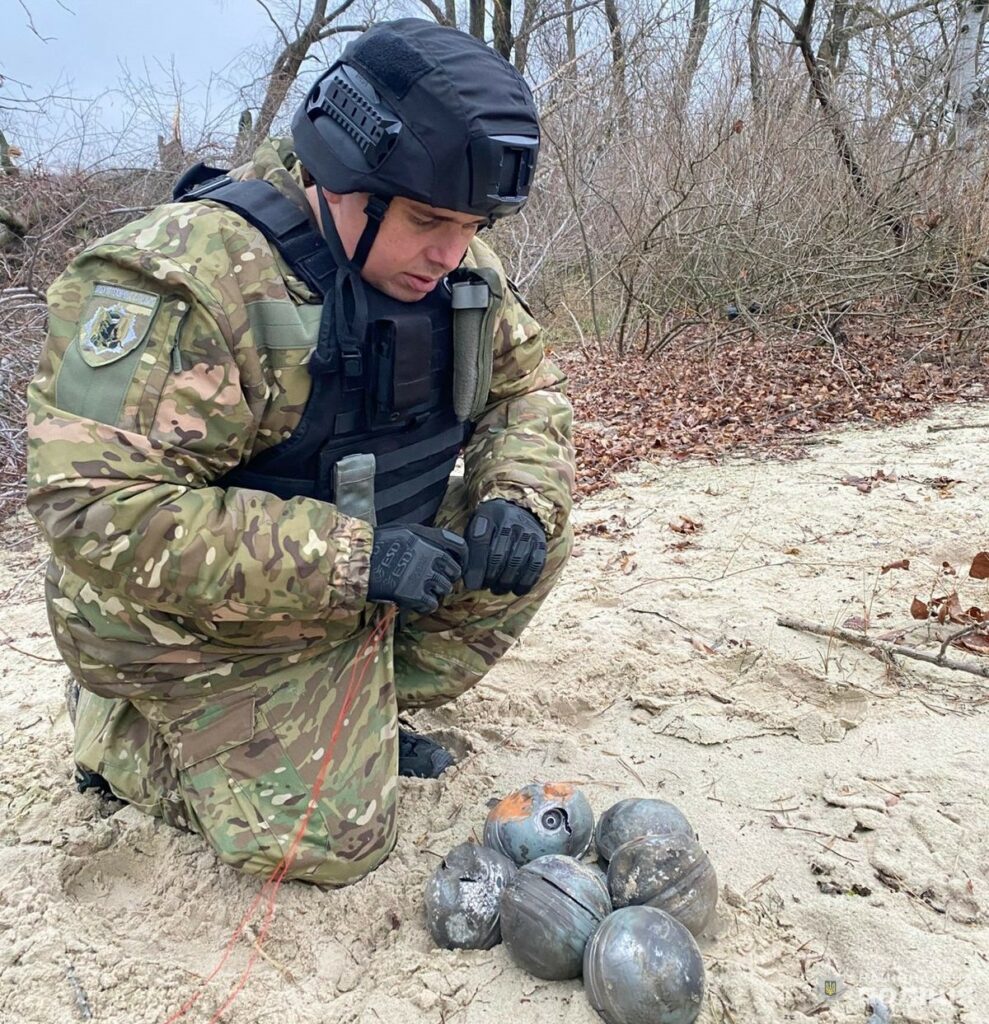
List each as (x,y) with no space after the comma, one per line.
(287,226)
(375,210)
(452,438)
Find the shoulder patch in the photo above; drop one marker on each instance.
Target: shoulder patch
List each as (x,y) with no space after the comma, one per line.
(114,322)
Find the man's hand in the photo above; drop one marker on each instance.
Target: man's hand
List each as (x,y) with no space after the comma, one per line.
(507,549)
(415,566)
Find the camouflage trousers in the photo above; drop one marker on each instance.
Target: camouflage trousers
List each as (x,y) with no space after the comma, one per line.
(239,766)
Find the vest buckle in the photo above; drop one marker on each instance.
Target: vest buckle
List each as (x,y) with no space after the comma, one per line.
(353,364)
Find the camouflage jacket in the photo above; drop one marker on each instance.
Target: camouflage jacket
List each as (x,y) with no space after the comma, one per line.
(154,382)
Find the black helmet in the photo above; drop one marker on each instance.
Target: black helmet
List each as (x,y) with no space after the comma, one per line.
(419,110)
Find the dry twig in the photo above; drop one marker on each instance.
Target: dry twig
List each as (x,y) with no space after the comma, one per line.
(837,633)
(935,428)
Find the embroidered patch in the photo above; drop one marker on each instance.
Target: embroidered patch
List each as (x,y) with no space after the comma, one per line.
(114,322)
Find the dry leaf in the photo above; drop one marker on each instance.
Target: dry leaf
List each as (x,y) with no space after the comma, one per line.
(943,485)
(865,483)
(980,566)
(918,609)
(686,525)
(903,563)
(861,483)
(952,610)
(624,560)
(977,643)
(792,551)
(856,622)
(614,526)
(699,645)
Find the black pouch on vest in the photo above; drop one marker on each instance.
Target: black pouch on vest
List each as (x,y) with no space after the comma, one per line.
(403,348)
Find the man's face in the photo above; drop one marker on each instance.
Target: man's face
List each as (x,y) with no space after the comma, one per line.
(415,247)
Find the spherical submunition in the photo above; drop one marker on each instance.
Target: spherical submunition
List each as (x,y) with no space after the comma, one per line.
(671,872)
(630,819)
(642,966)
(539,820)
(549,910)
(463,897)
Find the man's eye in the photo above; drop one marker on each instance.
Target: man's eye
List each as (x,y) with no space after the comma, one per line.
(422,223)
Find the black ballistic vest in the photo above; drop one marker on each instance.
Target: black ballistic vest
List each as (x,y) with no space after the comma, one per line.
(387,395)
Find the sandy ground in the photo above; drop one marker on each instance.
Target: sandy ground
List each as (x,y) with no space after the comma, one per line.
(842,800)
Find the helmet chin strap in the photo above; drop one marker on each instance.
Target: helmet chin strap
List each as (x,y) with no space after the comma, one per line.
(329,230)
(343,323)
(375,210)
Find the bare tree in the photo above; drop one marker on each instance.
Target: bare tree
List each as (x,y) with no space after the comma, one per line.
(963,77)
(287,64)
(695,43)
(571,33)
(755,61)
(618,86)
(821,85)
(530,12)
(476,18)
(834,40)
(501,27)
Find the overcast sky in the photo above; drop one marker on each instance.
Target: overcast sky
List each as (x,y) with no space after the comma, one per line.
(88,47)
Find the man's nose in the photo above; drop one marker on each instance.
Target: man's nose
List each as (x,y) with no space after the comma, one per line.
(448,251)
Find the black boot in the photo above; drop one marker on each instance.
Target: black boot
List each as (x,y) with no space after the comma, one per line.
(85,779)
(421,758)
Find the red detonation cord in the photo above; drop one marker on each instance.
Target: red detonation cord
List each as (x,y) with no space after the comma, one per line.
(269,890)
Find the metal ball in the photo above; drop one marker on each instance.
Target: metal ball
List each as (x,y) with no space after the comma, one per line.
(549,910)
(538,820)
(643,967)
(671,872)
(629,819)
(463,897)
(599,872)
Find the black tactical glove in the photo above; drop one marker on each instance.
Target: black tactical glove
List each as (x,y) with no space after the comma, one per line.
(415,566)
(507,549)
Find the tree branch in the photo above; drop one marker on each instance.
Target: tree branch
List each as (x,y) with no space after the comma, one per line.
(30,23)
(434,10)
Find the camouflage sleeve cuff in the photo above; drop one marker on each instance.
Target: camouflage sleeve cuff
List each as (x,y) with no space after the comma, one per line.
(349,575)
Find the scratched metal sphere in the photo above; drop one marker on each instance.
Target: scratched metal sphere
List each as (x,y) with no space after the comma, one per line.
(463,897)
(538,820)
(643,967)
(629,819)
(671,872)
(549,910)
